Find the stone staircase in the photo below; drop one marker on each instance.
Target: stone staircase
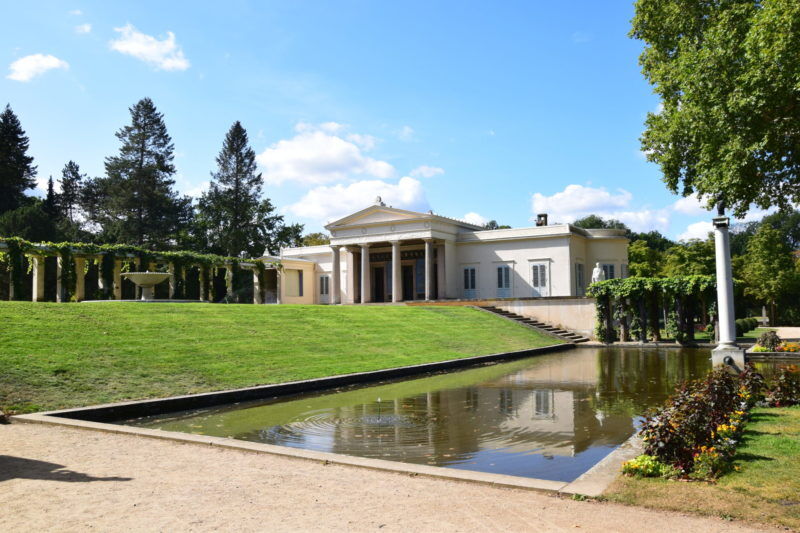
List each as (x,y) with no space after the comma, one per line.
(547,329)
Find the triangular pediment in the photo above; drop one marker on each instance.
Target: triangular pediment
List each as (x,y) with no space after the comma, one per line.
(377,214)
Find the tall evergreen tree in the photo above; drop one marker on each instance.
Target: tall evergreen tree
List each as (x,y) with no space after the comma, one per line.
(232,212)
(140,205)
(71,180)
(17,172)
(52,201)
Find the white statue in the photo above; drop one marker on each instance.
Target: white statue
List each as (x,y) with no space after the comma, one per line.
(598,274)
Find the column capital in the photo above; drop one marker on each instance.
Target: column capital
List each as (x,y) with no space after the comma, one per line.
(364,245)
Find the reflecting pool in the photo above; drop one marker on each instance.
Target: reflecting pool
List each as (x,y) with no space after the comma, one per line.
(550,417)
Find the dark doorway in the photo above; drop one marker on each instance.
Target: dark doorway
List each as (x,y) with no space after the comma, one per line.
(408,282)
(378,293)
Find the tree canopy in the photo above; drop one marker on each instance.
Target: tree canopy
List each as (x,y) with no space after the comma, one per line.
(727,74)
(17,171)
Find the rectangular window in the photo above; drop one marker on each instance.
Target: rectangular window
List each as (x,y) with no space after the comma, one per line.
(504,281)
(580,280)
(623,270)
(539,280)
(300,282)
(543,403)
(324,285)
(608,270)
(470,278)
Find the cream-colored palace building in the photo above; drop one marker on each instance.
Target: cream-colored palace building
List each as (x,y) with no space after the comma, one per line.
(384,254)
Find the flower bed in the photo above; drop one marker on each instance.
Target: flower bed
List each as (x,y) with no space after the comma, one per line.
(696,433)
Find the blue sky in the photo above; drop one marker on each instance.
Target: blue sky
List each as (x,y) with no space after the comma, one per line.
(493,110)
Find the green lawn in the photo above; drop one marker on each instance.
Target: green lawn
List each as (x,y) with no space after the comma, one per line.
(765,489)
(68,355)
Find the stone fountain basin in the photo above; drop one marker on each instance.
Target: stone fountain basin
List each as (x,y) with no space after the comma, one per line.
(146,279)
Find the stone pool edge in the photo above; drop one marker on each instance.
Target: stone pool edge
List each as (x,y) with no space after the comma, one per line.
(591,483)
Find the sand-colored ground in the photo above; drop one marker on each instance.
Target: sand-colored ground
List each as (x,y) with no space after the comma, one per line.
(788,333)
(55,478)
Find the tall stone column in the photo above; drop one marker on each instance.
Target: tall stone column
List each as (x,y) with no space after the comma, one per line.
(278,286)
(441,286)
(257,297)
(350,286)
(336,295)
(366,287)
(117,287)
(451,270)
(229,282)
(429,269)
(38,277)
(202,280)
(727,351)
(80,279)
(397,278)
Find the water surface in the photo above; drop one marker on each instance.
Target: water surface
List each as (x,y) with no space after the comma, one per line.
(550,417)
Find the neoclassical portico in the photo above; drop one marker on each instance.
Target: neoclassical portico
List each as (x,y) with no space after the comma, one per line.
(394,255)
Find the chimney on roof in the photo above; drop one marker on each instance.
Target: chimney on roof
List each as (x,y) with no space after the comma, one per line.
(541,219)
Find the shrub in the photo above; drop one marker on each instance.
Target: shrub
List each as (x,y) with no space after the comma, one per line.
(648,466)
(739,323)
(753,323)
(769,340)
(786,388)
(759,349)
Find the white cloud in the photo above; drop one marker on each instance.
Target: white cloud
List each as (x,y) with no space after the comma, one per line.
(577,201)
(315,156)
(696,230)
(83,28)
(28,67)
(424,171)
(475,218)
(367,142)
(164,54)
(406,133)
(690,205)
(328,203)
(76,12)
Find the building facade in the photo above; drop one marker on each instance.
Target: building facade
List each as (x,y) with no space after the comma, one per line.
(384,254)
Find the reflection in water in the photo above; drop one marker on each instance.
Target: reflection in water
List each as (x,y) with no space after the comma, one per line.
(550,417)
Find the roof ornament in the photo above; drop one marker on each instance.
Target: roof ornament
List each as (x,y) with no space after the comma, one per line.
(379,201)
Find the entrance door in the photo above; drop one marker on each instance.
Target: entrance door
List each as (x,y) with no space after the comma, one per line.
(324,289)
(540,279)
(408,282)
(378,291)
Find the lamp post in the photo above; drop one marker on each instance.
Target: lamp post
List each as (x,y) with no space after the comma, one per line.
(727,351)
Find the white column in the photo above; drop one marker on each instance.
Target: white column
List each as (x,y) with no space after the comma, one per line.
(350,288)
(38,277)
(171,270)
(440,284)
(397,278)
(336,296)
(365,275)
(59,284)
(451,270)
(278,286)
(429,269)
(727,351)
(257,297)
(201,279)
(80,279)
(117,287)
(229,282)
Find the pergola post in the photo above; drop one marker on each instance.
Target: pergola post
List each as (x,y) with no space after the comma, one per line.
(38,277)
(171,270)
(229,282)
(202,280)
(257,295)
(117,280)
(80,278)
(59,283)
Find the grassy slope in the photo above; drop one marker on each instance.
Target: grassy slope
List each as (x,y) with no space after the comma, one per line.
(766,489)
(66,355)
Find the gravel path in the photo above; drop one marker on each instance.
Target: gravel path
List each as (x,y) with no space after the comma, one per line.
(788,333)
(64,479)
